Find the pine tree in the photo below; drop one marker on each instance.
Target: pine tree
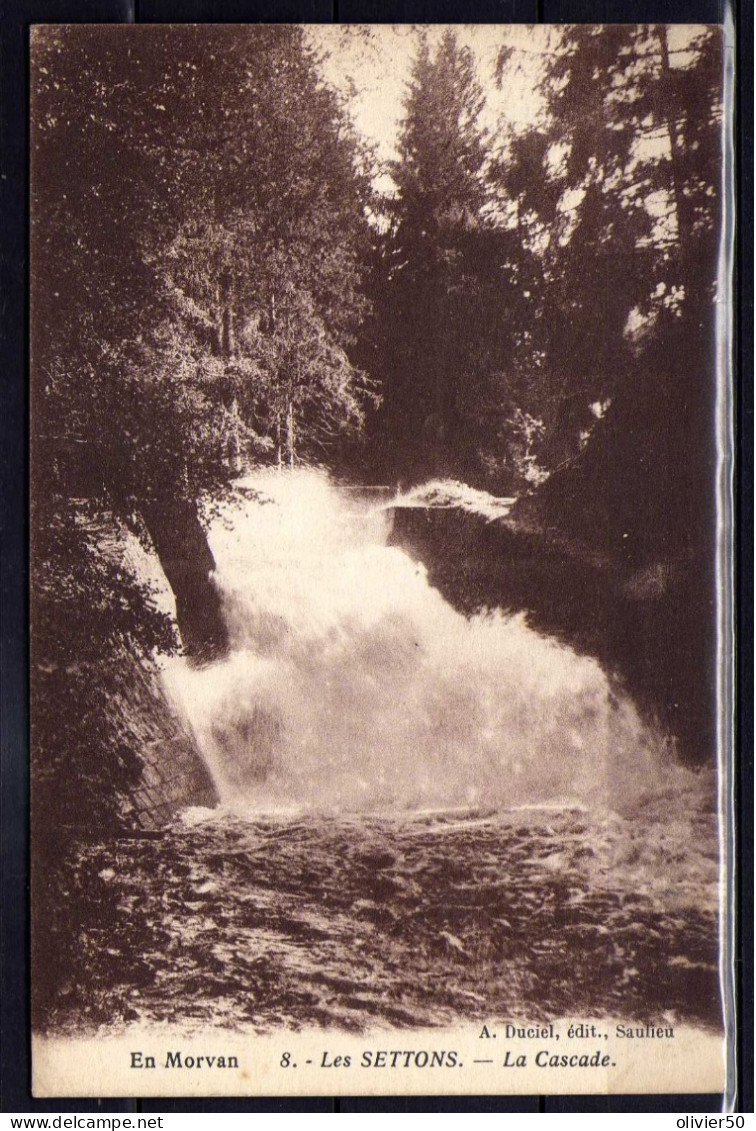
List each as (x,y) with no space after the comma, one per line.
(434,264)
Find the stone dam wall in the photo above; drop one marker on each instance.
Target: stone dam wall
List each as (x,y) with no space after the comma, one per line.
(173,775)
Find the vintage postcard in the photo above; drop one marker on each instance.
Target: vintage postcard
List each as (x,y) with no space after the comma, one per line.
(380,667)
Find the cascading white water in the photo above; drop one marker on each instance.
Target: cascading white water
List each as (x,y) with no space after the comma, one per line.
(352,684)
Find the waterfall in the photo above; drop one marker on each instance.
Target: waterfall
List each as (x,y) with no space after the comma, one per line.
(351,684)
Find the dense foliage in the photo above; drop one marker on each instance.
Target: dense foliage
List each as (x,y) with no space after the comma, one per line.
(200,203)
(625,206)
(534,278)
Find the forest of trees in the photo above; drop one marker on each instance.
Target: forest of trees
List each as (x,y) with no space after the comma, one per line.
(217,282)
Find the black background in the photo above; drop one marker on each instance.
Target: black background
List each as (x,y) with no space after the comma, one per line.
(16,16)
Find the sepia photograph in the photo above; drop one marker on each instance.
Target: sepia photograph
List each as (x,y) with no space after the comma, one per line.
(379,661)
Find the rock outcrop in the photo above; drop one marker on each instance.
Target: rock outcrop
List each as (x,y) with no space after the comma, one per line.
(650,626)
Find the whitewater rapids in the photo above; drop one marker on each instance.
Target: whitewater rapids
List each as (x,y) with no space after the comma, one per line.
(351,684)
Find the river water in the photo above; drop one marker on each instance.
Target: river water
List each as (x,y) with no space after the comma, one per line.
(424,817)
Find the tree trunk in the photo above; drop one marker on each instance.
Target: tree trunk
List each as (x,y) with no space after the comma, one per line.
(187,560)
(290,434)
(227,317)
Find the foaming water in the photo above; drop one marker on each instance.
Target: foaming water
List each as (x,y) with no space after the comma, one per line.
(352,684)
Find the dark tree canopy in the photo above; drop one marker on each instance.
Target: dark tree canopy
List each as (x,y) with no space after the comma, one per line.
(629,221)
(200,198)
(618,191)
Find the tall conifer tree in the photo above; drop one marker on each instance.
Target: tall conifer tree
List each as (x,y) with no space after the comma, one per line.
(434,263)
